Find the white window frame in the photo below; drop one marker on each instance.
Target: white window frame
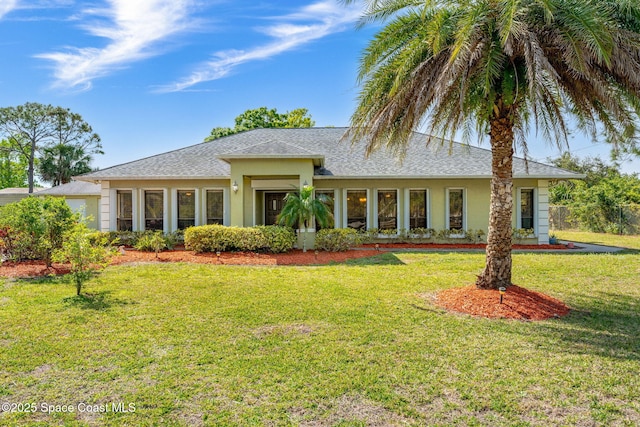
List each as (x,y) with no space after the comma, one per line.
(165,208)
(407,207)
(226,217)
(113,208)
(174,206)
(465,224)
(345,218)
(375,207)
(519,208)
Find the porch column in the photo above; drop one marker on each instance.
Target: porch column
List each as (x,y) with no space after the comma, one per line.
(236,200)
(543,212)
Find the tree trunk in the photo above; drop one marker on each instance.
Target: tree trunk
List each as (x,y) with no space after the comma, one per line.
(31,168)
(497,272)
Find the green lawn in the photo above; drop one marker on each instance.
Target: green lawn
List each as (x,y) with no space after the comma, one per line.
(630,242)
(343,345)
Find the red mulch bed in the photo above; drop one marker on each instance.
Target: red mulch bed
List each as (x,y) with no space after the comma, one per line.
(131,256)
(454,246)
(518,303)
(296,257)
(31,269)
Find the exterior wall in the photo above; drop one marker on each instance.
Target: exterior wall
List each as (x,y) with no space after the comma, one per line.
(107,212)
(477,195)
(543,212)
(5,199)
(244,171)
(476,199)
(170,189)
(90,206)
(253,177)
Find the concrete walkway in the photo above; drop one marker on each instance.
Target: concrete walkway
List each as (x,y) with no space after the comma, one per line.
(590,248)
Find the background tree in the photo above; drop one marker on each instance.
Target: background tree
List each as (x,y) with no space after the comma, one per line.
(495,68)
(27,127)
(61,162)
(264,118)
(301,207)
(597,202)
(13,167)
(31,127)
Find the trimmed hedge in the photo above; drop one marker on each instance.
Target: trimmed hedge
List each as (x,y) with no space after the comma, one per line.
(214,238)
(279,239)
(135,239)
(337,239)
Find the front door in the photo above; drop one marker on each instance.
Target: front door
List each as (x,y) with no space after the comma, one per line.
(273,203)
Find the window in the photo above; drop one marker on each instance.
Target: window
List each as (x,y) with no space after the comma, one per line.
(387,210)
(124,210)
(456,209)
(417,209)
(357,209)
(215,207)
(154,210)
(329,200)
(526,208)
(186,209)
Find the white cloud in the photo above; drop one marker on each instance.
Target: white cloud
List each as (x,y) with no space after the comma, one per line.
(7,6)
(310,23)
(132,27)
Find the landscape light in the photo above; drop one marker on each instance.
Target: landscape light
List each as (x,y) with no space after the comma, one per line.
(502,292)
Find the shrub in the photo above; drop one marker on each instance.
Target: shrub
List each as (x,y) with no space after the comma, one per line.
(34,227)
(103,238)
(213,238)
(474,236)
(278,239)
(519,234)
(337,239)
(153,242)
(422,234)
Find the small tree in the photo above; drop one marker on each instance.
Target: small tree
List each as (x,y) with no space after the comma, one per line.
(86,259)
(300,208)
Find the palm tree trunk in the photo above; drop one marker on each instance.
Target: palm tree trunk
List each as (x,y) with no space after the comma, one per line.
(497,272)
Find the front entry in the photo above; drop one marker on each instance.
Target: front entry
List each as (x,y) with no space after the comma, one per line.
(273,203)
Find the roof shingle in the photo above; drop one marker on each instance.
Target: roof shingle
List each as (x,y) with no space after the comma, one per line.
(341,159)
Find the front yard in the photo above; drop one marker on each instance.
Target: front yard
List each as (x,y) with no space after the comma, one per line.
(351,345)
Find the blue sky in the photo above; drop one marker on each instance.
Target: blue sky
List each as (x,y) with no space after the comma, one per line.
(156,75)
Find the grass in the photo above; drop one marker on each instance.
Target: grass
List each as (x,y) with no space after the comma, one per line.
(625,241)
(343,345)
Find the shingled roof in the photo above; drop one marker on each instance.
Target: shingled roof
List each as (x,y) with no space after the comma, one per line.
(73,188)
(333,157)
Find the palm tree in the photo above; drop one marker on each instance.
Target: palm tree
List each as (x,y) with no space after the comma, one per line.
(301,207)
(62,161)
(497,67)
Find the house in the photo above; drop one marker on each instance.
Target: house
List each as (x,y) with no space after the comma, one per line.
(12,195)
(81,196)
(241,180)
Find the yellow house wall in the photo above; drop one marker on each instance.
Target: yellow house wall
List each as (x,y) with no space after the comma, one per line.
(243,210)
(170,187)
(477,197)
